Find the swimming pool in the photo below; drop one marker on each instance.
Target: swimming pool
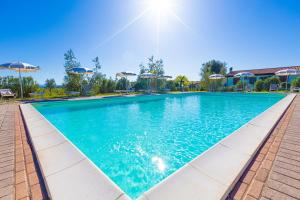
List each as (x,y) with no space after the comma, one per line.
(138,141)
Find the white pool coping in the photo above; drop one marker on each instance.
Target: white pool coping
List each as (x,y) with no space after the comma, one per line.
(69,174)
(214,173)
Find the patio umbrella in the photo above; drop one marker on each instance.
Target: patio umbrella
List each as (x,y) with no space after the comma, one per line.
(148,76)
(164,77)
(20,67)
(216,77)
(125,75)
(244,75)
(287,73)
(81,71)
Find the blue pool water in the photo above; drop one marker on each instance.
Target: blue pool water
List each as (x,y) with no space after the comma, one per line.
(138,141)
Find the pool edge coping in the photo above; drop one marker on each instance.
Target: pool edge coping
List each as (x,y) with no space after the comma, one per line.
(105,188)
(30,115)
(184,183)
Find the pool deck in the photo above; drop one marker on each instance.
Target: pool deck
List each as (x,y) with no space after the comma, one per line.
(18,172)
(275,171)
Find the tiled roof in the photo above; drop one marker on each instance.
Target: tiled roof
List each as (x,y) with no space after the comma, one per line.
(265,71)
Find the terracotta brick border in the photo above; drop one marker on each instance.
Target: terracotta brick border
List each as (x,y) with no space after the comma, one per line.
(253,183)
(28,182)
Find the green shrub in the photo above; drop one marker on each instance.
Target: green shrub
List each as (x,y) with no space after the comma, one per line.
(54,93)
(122,84)
(9,82)
(239,85)
(229,89)
(271,80)
(296,82)
(171,85)
(72,82)
(50,84)
(259,85)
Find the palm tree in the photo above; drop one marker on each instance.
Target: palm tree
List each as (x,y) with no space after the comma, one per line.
(182,81)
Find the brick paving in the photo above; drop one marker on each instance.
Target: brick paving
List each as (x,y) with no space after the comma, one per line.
(275,171)
(18,171)
(7,152)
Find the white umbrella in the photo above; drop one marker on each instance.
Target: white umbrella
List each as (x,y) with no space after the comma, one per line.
(147,75)
(20,67)
(287,73)
(80,70)
(125,74)
(243,75)
(216,76)
(128,73)
(164,77)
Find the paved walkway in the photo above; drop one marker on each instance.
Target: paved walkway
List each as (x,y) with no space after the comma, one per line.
(275,171)
(18,173)
(7,151)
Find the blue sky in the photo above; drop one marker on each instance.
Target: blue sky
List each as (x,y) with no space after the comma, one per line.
(243,33)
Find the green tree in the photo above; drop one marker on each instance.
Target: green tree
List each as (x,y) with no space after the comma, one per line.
(181,81)
(240,85)
(269,81)
(111,85)
(122,83)
(209,68)
(259,85)
(296,82)
(97,65)
(154,66)
(170,84)
(96,82)
(141,84)
(29,85)
(70,60)
(50,84)
(71,81)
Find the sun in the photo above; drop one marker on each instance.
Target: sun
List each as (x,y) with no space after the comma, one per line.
(159,13)
(160,6)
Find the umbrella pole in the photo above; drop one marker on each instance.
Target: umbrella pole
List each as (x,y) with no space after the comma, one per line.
(21,84)
(286,85)
(80,89)
(148,85)
(215,88)
(126,85)
(244,84)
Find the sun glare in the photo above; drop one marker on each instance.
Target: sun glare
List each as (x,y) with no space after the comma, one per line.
(160,5)
(159,12)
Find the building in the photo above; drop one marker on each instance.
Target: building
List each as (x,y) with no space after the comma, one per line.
(260,74)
